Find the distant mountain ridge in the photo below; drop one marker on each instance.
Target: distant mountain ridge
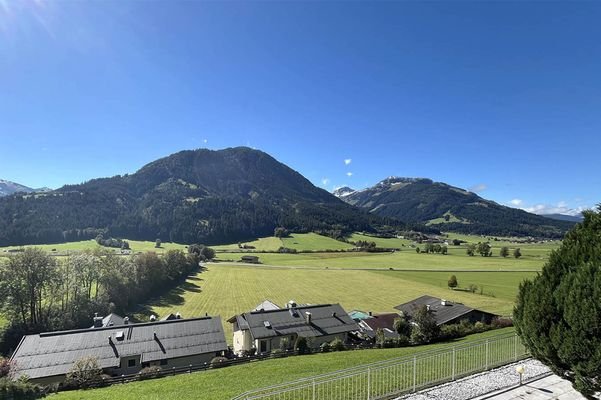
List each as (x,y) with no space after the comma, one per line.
(564,217)
(195,196)
(7,188)
(448,208)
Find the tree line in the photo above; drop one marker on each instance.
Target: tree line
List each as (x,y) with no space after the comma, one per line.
(39,292)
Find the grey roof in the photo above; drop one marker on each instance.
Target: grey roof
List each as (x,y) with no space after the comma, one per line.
(267,305)
(442,313)
(326,319)
(53,353)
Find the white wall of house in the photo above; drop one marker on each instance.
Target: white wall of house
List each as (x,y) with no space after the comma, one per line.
(242,341)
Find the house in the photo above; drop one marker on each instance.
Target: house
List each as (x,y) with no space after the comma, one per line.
(445,312)
(121,350)
(267,305)
(250,259)
(110,320)
(263,330)
(385,322)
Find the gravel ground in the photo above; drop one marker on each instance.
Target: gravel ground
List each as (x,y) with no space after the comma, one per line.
(480,384)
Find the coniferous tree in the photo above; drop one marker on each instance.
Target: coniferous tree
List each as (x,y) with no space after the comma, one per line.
(558,314)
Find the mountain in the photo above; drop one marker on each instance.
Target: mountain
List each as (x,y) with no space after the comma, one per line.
(343,191)
(564,217)
(199,196)
(8,187)
(448,208)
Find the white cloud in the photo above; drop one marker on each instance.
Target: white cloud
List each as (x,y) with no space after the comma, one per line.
(516,202)
(559,208)
(325,181)
(349,174)
(347,161)
(478,188)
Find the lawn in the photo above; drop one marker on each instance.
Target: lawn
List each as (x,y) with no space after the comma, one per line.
(225,383)
(227,290)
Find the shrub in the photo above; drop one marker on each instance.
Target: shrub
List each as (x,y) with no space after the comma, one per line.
(500,322)
(337,345)
(276,353)
(149,373)
(325,347)
(249,353)
(284,344)
(301,345)
(218,362)
(5,367)
(20,389)
(84,373)
(480,326)
(452,283)
(517,253)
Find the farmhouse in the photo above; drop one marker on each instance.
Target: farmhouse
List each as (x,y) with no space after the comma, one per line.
(444,311)
(263,330)
(47,357)
(250,259)
(385,322)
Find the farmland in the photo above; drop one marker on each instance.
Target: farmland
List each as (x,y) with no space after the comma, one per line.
(225,383)
(227,290)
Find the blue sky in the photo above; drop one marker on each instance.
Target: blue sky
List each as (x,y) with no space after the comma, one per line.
(503,98)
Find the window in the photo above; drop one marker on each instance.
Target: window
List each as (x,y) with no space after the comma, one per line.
(131,363)
(164,362)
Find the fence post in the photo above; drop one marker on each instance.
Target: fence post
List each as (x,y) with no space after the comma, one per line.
(414,373)
(454,358)
(515,348)
(313,388)
(368,382)
(486,361)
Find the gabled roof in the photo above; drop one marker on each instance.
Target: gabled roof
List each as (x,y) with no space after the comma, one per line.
(53,353)
(381,321)
(267,305)
(112,320)
(326,319)
(442,313)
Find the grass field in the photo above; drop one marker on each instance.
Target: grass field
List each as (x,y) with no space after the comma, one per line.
(298,241)
(225,383)
(227,289)
(134,245)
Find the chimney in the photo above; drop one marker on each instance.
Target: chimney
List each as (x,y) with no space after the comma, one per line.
(308,317)
(97,321)
(428,307)
(126,320)
(153,318)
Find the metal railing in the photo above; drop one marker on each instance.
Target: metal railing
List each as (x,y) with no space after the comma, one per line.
(385,379)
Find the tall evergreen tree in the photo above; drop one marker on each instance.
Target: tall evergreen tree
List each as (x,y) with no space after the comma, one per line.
(558,313)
